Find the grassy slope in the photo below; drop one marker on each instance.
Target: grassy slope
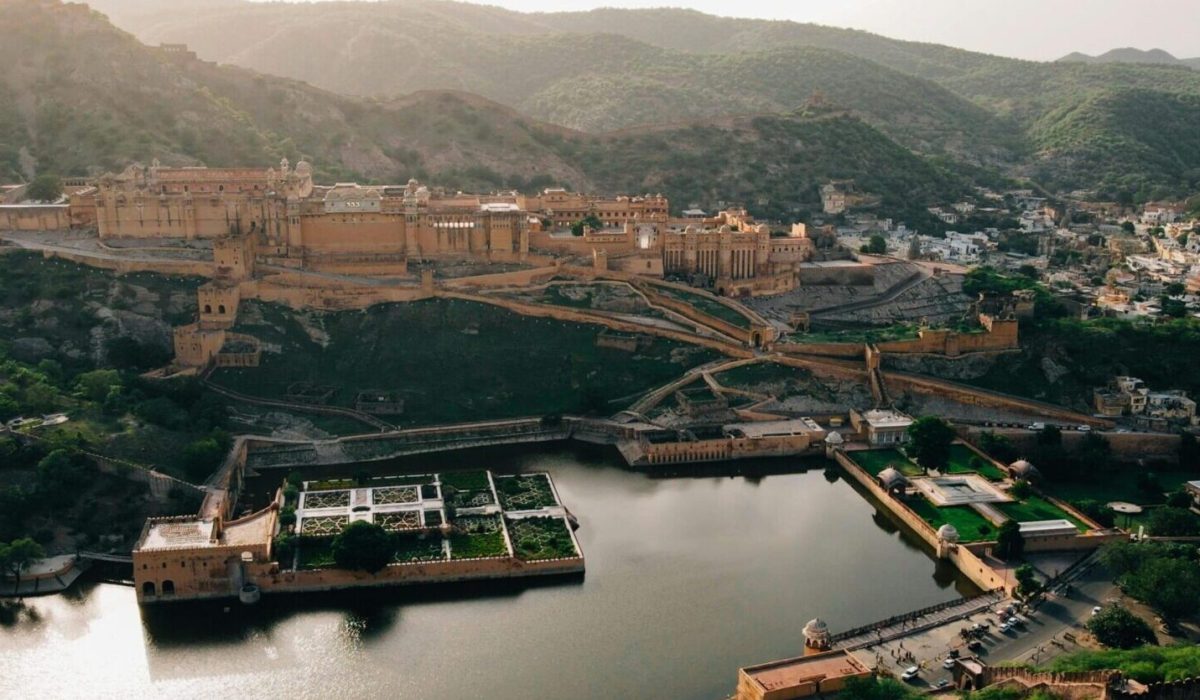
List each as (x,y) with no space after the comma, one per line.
(454,361)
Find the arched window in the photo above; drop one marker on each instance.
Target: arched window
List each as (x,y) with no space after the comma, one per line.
(148,589)
(168,587)
(221,309)
(208,308)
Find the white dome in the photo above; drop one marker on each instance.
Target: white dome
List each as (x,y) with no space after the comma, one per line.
(947,533)
(1022,469)
(834,438)
(816,627)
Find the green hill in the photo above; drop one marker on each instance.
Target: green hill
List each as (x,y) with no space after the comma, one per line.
(610,69)
(80,96)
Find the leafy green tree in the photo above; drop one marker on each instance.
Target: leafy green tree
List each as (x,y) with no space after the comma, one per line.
(44,188)
(96,385)
(201,458)
(876,688)
(1027,580)
(363,546)
(1128,227)
(876,245)
(1116,627)
(589,221)
(929,440)
(18,554)
(1009,541)
(1169,585)
(1173,522)
(1179,499)
(1021,489)
(998,446)
(1097,511)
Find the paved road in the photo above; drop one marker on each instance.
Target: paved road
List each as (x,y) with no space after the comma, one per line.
(1037,642)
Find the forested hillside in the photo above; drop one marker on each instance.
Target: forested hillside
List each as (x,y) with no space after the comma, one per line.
(611,69)
(84,97)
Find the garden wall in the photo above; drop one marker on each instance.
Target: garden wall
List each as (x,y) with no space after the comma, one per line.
(969,563)
(974,396)
(423,572)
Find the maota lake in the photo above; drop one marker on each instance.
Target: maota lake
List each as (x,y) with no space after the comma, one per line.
(688,578)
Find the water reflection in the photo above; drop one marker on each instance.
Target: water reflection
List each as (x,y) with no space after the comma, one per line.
(688,578)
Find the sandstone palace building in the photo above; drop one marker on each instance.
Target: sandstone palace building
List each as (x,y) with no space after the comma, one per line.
(380,229)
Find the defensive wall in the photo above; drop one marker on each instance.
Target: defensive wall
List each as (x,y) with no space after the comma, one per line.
(1126,446)
(975,396)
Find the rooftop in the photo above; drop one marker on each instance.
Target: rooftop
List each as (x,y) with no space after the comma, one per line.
(1048,528)
(886,418)
(788,673)
(774,428)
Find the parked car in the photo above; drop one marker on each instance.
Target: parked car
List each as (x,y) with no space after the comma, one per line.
(1096,610)
(948,663)
(942,683)
(1085,428)
(910,673)
(975,645)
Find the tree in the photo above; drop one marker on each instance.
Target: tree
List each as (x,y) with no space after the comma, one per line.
(1097,511)
(1116,627)
(1009,542)
(1173,522)
(44,188)
(1179,498)
(998,446)
(18,554)
(1020,489)
(1049,435)
(1128,227)
(1169,585)
(929,441)
(201,458)
(363,546)
(1027,580)
(589,221)
(97,384)
(876,245)
(876,688)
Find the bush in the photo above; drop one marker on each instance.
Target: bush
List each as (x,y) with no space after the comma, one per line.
(363,546)
(1021,489)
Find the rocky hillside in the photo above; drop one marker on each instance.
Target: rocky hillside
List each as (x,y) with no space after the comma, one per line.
(608,69)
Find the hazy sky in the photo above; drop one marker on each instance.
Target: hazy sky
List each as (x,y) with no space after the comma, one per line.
(1036,29)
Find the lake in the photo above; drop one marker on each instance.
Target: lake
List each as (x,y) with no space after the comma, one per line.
(688,578)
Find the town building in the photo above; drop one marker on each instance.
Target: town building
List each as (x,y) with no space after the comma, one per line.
(1129,396)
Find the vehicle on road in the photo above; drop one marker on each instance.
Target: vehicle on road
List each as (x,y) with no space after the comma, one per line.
(1096,610)
(910,673)
(948,663)
(975,645)
(942,683)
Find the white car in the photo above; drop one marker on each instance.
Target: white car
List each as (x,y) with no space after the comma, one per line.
(910,673)
(948,663)
(1096,610)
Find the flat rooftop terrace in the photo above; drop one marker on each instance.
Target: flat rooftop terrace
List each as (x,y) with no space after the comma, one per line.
(789,673)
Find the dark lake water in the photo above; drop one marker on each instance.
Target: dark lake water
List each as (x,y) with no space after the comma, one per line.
(688,578)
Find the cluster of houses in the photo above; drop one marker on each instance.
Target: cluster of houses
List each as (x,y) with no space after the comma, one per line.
(1151,410)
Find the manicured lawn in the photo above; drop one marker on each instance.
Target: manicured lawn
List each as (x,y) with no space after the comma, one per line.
(419,548)
(971,526)
(316,553)
(476,545)
(875,461)
(1037,508)
(960,463)
(1119,485)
